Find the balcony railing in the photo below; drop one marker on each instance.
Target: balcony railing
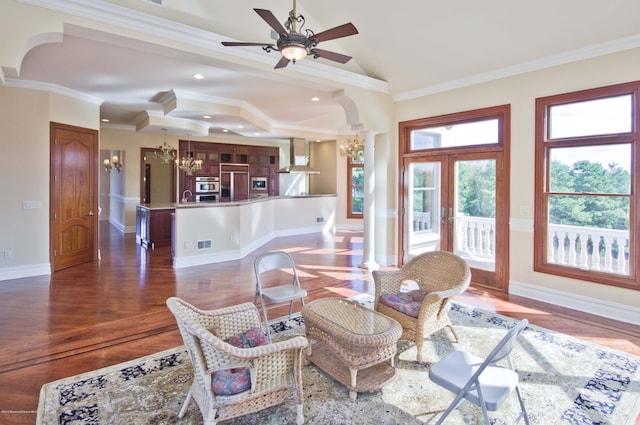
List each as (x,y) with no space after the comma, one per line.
(589,248)
(475,239)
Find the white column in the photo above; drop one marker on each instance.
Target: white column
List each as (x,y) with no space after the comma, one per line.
(368,250)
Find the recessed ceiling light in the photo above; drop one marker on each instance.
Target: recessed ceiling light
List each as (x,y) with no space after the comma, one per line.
(256,134)
(206,117)
(241,126)
(198,76)
(224,130)
(315,98)
(105,120)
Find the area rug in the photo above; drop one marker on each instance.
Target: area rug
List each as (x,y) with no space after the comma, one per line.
(563,381)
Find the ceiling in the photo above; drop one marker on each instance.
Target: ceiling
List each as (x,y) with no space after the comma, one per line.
(427,46)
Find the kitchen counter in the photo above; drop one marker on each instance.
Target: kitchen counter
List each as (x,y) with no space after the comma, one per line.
(211,232)
(167,205)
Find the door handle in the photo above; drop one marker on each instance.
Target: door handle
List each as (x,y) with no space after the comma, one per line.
(443,216)
(90,213)
(450,215)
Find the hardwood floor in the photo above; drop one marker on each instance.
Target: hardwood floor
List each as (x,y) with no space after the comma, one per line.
(113,310)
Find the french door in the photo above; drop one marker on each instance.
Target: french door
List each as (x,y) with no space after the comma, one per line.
(451,204)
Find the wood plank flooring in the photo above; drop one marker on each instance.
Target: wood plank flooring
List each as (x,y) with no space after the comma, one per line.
(113,310)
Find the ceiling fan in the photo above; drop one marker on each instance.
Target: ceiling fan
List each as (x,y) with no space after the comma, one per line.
(293,45)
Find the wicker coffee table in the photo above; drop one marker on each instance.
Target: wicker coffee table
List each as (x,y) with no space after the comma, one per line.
(351,343)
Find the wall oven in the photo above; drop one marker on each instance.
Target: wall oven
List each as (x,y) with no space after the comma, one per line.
(258,183)
(207,198)
(207,185)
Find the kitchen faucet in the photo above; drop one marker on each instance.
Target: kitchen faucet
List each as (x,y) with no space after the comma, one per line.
(184,196)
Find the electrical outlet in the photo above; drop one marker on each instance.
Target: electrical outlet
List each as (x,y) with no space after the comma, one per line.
(8,254)
(31,205)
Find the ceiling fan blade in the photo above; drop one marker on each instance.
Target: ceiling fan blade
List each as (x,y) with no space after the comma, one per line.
(271,20)
(240,43)
(332,56)
(337,32)
(281,63)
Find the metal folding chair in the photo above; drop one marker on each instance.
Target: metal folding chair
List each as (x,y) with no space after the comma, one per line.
(481,381)
(276,266)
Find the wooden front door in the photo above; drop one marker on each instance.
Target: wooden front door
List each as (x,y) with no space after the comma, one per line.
(74,196)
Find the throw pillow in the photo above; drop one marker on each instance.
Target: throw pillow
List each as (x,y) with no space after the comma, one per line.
(408,303)
(234,381)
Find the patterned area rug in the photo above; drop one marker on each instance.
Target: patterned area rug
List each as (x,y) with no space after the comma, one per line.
(563,381)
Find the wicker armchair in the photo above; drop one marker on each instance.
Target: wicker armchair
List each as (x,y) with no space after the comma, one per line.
(275,368)
(441,275)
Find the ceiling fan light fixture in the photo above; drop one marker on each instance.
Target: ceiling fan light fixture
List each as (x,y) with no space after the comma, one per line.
(294,52)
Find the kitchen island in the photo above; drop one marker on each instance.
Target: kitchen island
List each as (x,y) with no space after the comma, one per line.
(205,233)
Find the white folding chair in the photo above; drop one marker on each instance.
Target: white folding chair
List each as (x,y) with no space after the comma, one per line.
(275,265)
(478,380)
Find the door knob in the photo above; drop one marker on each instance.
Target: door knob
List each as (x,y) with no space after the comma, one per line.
(90,213)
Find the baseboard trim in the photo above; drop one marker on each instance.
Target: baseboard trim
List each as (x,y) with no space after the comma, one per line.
(25,271)
(610,310)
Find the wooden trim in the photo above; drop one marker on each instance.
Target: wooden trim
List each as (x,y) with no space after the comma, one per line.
(501,152)
(542,182)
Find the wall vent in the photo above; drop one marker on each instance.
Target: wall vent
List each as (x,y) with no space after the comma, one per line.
(206,244)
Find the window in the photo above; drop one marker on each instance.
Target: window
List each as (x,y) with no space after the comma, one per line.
(355,188)
(585,185)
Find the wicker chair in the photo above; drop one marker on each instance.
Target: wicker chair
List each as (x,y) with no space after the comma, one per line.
(442,275)
(275,368)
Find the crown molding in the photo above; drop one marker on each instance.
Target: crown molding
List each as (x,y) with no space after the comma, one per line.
(52,88)
(589,52)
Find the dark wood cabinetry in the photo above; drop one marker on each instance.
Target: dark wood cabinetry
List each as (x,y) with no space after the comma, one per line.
(262,161)
(153,226)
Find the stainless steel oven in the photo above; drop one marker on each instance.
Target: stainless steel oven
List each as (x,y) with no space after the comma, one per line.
(207,185)
(207,198)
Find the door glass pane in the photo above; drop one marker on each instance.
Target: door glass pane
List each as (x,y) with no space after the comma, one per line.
(482,132)
(424,207)
(474,220)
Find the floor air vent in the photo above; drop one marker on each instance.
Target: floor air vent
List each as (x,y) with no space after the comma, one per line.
(206,244)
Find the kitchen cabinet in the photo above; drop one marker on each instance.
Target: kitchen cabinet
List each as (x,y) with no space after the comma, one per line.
(153,226)
(262,161)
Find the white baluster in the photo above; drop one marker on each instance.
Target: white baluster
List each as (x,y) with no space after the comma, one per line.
(595,257)
(550,246)
(584,258)
(608,254)
(572,248)
(473,238)
(561,251)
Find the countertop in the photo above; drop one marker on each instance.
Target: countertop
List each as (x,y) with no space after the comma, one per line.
(168,205)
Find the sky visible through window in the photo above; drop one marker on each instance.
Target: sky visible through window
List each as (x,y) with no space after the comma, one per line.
(595,117)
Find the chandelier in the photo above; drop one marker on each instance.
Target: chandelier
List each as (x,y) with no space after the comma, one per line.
(188,164)
(354,149)
(167,155)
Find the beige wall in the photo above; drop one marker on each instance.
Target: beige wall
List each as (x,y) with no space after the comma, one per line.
(322,158)
(25,116)
(520,92)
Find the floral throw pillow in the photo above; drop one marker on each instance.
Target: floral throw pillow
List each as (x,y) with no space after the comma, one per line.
(252,338)
(234,381)
(408,303)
